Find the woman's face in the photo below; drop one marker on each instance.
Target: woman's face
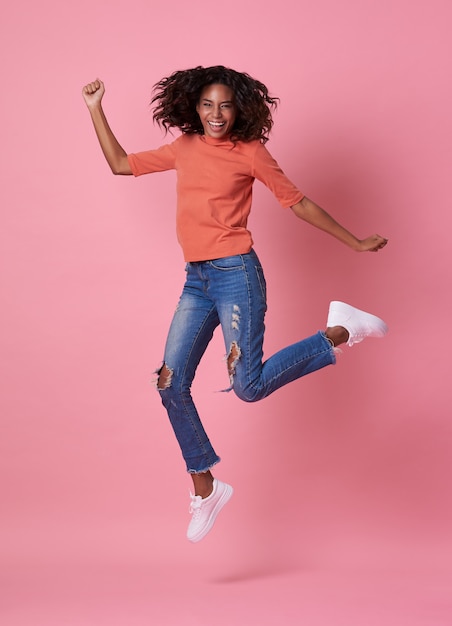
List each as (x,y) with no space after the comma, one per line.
(216,110)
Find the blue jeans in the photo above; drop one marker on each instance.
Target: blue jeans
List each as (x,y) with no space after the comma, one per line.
(230,291)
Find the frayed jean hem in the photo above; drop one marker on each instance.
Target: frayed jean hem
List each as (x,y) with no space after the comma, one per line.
(203,471)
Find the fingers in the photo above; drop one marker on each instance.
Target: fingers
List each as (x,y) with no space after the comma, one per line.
(373,243)
(380,244)
(93,87)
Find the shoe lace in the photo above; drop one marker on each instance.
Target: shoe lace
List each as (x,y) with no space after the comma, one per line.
(195,505)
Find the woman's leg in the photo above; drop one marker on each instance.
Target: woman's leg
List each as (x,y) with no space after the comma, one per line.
(191,330)
(237,286)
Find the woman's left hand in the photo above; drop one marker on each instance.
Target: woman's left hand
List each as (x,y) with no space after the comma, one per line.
(374,243)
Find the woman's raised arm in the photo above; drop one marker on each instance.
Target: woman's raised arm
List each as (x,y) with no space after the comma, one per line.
(114,153)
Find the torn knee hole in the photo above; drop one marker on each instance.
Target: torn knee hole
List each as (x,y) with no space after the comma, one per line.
(233,357)
(164,379)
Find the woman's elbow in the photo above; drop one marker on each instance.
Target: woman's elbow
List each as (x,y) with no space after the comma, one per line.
(121,168)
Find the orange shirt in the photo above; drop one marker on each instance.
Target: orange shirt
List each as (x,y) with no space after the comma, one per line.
(214,190)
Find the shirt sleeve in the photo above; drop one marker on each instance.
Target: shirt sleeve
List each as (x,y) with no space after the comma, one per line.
(267,170)
(159,160)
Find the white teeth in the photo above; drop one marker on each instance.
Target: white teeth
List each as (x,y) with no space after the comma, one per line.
(217,123)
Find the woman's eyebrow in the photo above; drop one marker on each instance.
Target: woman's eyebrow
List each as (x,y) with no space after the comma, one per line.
(222,102)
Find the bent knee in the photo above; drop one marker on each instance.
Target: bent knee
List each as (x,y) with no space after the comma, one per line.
(246,395)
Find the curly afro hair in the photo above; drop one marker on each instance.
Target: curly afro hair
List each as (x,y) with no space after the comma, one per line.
(176,97)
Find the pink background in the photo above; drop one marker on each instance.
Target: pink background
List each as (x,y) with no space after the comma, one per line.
(342,511)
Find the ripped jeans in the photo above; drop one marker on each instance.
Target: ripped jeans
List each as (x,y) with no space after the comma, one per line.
(230,291)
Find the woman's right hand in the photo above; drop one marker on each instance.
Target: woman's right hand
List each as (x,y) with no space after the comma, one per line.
(113,151)
(93,93)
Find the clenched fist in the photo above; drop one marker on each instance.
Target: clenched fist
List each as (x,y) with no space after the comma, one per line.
(93,93)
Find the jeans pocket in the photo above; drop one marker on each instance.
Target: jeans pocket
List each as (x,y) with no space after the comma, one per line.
(227,263)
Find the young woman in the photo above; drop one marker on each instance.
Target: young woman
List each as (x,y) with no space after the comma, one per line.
(225,117)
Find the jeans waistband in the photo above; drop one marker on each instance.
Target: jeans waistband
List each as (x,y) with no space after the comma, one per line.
(251,253)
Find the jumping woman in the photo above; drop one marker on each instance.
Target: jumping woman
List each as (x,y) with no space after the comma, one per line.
(224,118)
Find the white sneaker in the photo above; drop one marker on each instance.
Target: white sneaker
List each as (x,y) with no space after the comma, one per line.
(359,324)
(205,510)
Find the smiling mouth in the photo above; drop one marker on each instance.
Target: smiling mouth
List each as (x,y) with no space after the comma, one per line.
(216,124)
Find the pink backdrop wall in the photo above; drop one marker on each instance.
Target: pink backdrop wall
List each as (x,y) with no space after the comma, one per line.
(349,467)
